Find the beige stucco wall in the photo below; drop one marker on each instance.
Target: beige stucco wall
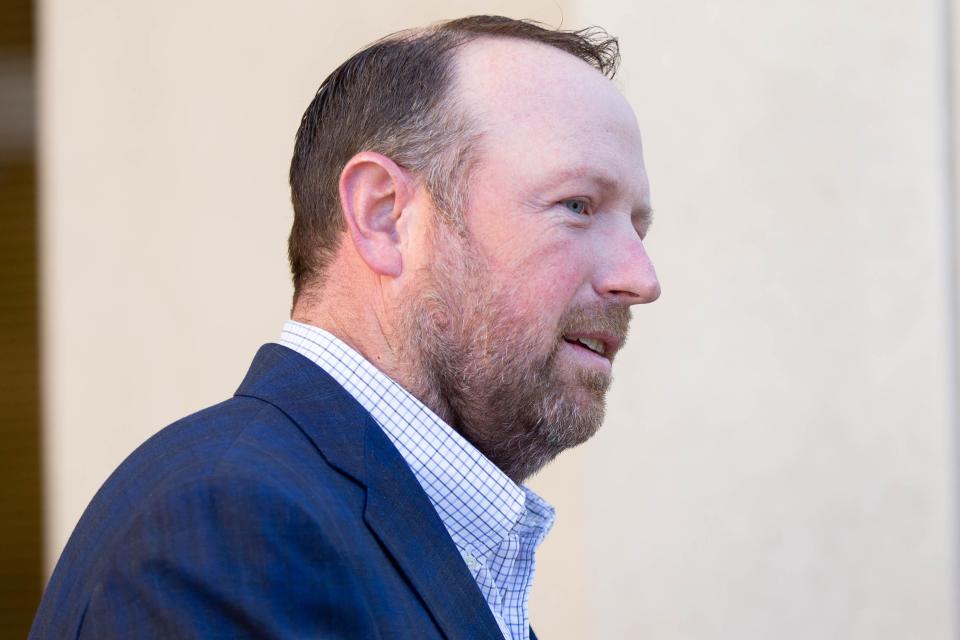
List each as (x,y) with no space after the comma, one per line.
(779,455)
(780,458)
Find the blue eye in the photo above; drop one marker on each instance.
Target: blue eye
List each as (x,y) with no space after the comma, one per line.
(578,207)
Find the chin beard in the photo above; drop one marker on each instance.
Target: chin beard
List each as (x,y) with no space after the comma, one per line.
(496,378)
(531,423)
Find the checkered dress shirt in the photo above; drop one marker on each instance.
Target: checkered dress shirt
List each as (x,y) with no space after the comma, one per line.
(496,524)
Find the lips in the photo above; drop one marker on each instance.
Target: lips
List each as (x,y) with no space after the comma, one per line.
(599,329)
(602,344)
(594,345)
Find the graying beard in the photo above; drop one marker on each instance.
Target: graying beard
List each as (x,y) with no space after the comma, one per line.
(519,431)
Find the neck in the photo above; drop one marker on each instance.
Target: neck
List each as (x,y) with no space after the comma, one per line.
(368,330)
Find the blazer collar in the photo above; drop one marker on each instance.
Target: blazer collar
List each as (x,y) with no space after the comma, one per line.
(397,509)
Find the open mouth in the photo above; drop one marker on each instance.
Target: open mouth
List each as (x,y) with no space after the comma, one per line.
(590,344)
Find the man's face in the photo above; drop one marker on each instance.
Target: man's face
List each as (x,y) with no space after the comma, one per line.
(508,317)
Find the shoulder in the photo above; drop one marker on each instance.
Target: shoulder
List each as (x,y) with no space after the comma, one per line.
(197,447)
(244,451)
(226,500)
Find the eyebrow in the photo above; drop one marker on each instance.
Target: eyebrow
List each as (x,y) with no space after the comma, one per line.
(578,172)
(643,215)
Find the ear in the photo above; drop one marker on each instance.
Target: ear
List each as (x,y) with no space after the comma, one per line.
(373,193)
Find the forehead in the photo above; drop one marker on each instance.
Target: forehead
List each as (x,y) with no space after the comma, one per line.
(543,111)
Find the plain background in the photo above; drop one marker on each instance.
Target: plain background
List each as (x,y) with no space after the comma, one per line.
(779,458)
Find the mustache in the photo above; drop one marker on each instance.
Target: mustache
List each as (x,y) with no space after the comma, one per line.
(610,318)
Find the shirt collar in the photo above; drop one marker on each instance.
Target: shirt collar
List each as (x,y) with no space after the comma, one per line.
(478,504)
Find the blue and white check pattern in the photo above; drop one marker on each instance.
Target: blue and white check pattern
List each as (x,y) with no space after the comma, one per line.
(496,524)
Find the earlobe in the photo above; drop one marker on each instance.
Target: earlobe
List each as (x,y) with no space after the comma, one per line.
(373,192)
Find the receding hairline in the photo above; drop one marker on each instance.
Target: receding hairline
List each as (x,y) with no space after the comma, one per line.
(456,93)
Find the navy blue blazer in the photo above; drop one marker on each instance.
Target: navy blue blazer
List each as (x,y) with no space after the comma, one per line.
(284,512)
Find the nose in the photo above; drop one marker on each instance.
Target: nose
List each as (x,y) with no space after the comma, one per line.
(627,274)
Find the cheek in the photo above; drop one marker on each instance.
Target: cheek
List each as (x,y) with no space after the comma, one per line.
(539,264)
(546,282)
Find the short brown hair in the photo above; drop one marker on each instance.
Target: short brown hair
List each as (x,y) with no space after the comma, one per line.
(390,98)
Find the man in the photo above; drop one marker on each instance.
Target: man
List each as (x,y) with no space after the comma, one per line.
(470,205)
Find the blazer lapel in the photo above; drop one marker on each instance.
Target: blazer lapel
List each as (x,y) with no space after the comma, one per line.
(405,521)
(397,509)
